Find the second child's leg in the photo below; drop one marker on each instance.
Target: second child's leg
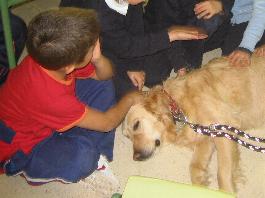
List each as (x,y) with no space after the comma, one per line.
(195,49)
(123,84)
(157,68)
(218,37)
(233,38)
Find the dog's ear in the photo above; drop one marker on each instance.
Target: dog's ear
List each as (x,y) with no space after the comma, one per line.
(157,103)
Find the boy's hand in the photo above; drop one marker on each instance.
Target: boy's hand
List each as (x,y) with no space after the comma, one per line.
(135,97)
(239,58)
(260,51)
(207,9)
(137,78)
(186,33)
(106,121)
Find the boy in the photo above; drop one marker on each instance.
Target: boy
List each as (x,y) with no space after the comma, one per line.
(53,127)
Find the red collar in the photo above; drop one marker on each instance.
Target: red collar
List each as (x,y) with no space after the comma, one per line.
(172,103)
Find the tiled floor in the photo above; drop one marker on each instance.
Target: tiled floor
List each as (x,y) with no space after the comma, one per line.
(29,9)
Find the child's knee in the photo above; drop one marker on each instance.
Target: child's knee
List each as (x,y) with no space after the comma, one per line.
(83,166)
(212,24)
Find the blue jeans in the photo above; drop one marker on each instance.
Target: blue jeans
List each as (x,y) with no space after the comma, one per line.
(71,155)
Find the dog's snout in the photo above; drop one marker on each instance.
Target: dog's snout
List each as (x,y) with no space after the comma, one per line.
(136,156)
(141,156)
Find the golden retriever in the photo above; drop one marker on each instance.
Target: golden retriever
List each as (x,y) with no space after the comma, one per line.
(215,93)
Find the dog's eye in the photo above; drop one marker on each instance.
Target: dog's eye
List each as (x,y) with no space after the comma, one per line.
(136,125)
(157,143)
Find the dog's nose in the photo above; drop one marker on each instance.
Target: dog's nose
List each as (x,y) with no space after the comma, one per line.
(141,156)
(136,156)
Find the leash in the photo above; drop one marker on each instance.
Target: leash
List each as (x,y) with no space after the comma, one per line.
(215,130)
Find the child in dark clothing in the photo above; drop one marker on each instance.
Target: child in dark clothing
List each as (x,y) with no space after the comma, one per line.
(210,15)
(59,119)
(19,32)
(142,55)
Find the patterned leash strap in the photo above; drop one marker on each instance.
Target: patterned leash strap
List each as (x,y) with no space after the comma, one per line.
(217,130)
(220,127)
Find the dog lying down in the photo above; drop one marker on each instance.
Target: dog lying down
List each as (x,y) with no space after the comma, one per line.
(216,93)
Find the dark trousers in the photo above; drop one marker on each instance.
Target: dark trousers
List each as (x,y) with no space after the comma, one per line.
(216,28)
(163,14)
(19,33)
(73,154)
(234,37)
(181,54)
(157,68)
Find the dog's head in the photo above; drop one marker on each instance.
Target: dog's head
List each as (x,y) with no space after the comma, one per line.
(149,124)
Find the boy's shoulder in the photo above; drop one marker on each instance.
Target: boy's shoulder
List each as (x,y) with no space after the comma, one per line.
(26,64)
(30,76)
(25,72)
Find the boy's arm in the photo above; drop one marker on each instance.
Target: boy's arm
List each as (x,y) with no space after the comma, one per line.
(106,121)
(104,68)
(253,33)
(256,26)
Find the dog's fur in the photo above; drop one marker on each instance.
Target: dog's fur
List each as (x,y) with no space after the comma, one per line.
(216,93)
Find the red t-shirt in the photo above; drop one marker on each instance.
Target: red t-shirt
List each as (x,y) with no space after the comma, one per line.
(34,104)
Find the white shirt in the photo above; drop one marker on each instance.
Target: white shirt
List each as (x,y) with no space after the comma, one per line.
(121,7)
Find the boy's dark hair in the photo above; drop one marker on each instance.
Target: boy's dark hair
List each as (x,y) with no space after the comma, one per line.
(57,38)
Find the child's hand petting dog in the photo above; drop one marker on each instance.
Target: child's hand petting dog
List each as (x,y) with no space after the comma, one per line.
(137,78)
(239,58)
(260,51)
(181,32)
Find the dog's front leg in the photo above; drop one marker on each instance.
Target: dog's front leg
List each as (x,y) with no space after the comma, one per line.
(200,160)
(227,155)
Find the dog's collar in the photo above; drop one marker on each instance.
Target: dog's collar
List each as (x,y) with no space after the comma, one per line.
(175,110)
(172,103)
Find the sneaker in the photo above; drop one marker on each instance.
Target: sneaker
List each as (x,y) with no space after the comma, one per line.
(102,181)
